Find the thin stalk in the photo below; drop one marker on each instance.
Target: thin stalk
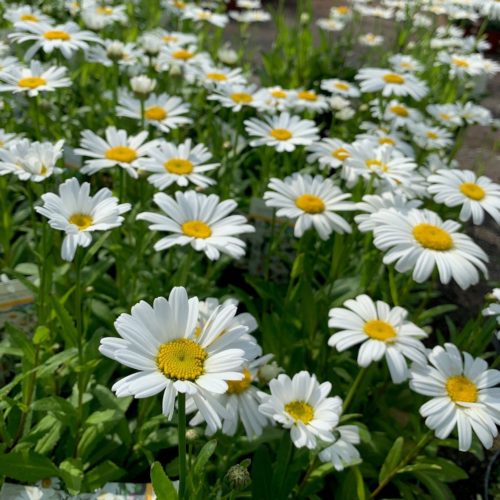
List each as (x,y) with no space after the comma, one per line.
(393,287)
(354,387)
(79,329)
(424,441)
(181,429)
(36,117)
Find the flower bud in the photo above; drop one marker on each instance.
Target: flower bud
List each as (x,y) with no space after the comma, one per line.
(238,477)
(115,50)
(227,55)
(268,372)
(142,85)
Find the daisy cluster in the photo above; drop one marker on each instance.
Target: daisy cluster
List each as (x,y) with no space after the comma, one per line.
(147,129)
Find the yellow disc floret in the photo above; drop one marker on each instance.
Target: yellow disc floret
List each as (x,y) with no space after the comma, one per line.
(181,359)
(121,154)
(81,221)
(310,203)
(196,229)
(472,191)
(155,113)
(461,389)
(280,134)
(179,166)
(432,237)
(31,82)
(379,330)
(56,35)
(300,411)
(394,78)
(239,386)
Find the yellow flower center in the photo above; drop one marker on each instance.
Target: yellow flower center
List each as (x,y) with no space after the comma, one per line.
(406,65)
(121,154)
(461,389)
(29,18)
(178,166)
(182,54)
(43,169)
(386,140)
(204,15)
(343,9)
(310,203)
(169,38)
(399,110)
(241,97)
(155,113)
(461,63)
(31,82)
(239,386)
(218,77)
(56,35)
(444,116)
(342,86)
(107,11)
(181,359)
(432,135)
(307,95)
(280,134)
(432,237)
(379,330)
(279,94)
(341,154)
(394,78)
(179,4)
(196,229)
(472,191)
(300,411)
(372,164)
(81,221)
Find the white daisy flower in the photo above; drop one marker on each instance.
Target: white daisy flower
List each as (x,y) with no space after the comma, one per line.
(272,99)
(241,403)
(235,97)
(117,148)
(421,241)
(34,161)
(34,79)
(176,38)
(96,16)
(463,394)
(384,164)
(180,164)
(381,331)
(340,87)
(307,100)
(371,40)
(251,16)
(373,203)
(429,137)
(312,201)
(78,214)
(476,195)
(198,14)
(402,63)
(114,51)
(328,24)
(384,137)
(342,453)
(200,221)
(163,111)
(328,152)
(474,114)
(160,342)
(461,65)
(211,76)
(301,405)
(391,83)
(447,115)
(342,12)
(7,63)
(284,132)
(25,14)
(7,139)
(181,56)
(67,38)
(397,113)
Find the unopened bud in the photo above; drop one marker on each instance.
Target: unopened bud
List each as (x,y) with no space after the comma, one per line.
(142,85)
(194,434)
(238,477)
(268,372)
(115,50)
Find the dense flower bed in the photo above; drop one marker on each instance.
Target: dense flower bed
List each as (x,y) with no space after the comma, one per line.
(241,259)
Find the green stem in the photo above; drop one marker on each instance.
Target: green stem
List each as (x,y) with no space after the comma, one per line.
(353,389)
(79,329)
(393,287)
(181,429)
(142,113)
(36,117)
(424,441)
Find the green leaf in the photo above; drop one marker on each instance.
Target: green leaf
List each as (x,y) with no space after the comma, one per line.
(71,472)
(42,333)
(262,474)
(20,340)
(282,463)
(68,330)
(392,459)
(360,485)
(203,457)
(99,417)
(436,488)
(104,473)
(164,488)
(26,466)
